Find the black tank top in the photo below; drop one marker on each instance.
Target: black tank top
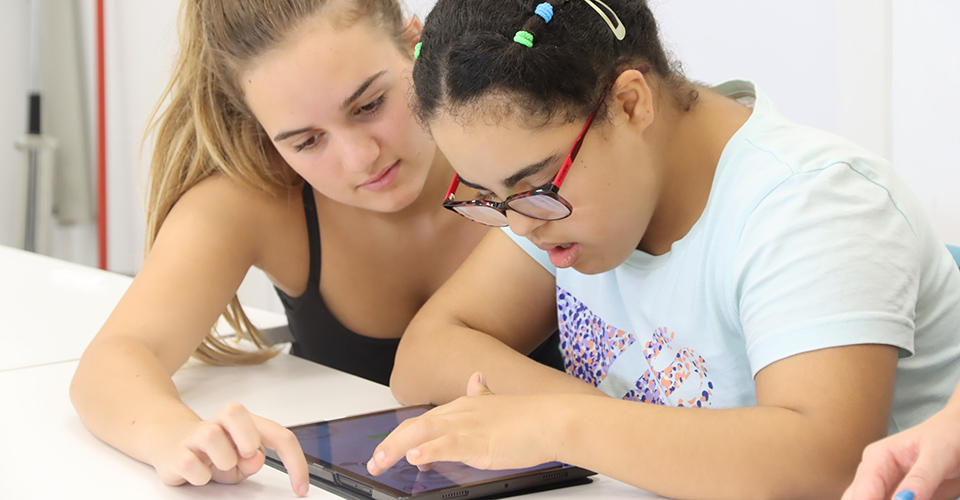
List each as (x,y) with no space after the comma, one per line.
(320,337)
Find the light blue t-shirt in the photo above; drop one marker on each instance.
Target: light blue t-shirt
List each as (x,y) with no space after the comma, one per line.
(807,242)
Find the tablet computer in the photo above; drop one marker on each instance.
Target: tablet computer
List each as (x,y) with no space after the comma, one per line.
(337,452)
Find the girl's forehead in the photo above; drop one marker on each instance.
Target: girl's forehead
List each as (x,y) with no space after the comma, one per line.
(486,151)
(320,69)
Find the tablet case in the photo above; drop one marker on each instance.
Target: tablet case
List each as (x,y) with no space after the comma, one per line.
(579,477)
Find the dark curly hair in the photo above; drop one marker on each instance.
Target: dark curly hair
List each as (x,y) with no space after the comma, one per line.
(468,56)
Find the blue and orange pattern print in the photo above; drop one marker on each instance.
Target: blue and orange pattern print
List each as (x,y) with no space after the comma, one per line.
(589,345)
(686,369)
(675,377)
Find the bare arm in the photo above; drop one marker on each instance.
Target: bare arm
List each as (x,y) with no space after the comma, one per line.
(478,322)
(123,390)
(816,412)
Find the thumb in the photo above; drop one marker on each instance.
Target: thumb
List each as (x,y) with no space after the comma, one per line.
(930,469)
(477,385)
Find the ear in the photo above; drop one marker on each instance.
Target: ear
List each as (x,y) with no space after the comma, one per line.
(411,33)
(633,99)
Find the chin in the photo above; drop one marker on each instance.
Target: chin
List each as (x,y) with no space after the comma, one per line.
(595,266)
(589,269)
(395,201)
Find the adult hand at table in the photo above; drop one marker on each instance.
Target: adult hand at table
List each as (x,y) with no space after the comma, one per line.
(482,430)
(920,463)
(228,448)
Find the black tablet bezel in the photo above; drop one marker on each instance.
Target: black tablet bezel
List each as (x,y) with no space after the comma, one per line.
(331,477)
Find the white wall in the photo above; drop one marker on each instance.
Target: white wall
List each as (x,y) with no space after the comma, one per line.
(926,106)
(881,72)
(766,42)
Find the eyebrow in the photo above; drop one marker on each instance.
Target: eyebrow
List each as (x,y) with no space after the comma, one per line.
(346,103)
(361,89)
(509,182)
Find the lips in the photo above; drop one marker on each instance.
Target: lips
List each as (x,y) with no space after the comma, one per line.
(563,256)
(381,180)
(546,247)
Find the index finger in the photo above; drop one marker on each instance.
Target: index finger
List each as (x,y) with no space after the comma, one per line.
(284,442)
(409,434)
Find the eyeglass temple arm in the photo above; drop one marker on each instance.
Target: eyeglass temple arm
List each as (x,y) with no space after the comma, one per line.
(568,162)
(453,188)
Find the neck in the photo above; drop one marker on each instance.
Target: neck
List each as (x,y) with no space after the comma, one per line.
(691,143)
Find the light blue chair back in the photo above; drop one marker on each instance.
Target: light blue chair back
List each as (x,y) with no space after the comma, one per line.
(956,253)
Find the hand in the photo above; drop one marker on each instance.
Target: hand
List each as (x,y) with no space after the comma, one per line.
(228,448)
(920,463)
(481,430)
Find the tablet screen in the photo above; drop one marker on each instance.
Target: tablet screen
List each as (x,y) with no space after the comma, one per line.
(344,446)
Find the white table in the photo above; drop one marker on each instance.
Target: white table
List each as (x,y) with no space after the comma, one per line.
(51,309)
(48,453)
(49,312)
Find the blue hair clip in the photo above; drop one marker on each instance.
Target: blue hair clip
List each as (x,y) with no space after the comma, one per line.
(544,10)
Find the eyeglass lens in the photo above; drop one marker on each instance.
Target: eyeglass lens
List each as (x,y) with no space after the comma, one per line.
(536,206)
(540,207)
(484,215)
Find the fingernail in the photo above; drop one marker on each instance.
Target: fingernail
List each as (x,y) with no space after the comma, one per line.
(374,464)
(303,489)
(904,495)
(413,454)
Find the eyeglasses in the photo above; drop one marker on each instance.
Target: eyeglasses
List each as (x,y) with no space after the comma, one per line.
(542,203)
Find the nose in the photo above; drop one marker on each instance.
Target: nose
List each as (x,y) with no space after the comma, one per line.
(521,225)
(358,151)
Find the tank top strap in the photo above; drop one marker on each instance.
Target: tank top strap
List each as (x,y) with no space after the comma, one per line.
(313,232)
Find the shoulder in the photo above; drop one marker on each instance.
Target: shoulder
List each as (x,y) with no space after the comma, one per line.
(223,209)
(775,167)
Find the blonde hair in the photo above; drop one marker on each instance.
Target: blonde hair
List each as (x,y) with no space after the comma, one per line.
(208,129)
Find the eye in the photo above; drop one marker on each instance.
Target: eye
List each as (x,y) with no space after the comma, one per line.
(485,196)
(544,186)
(308,143)
(371,107)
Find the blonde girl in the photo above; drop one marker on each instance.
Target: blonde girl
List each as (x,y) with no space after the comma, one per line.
(286,144)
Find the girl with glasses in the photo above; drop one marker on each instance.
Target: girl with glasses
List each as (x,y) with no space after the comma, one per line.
(286,143)
(744,303)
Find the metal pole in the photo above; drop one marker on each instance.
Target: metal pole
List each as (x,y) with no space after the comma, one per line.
(33,127)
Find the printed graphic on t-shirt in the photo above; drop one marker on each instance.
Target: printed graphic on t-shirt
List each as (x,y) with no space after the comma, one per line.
(672,376)
(589,344)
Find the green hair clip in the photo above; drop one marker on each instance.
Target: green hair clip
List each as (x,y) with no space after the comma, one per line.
(523,38)
(416,50)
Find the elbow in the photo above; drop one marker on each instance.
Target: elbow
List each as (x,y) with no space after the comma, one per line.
(408,369)
(833,475)
(400,385)
(78,386)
